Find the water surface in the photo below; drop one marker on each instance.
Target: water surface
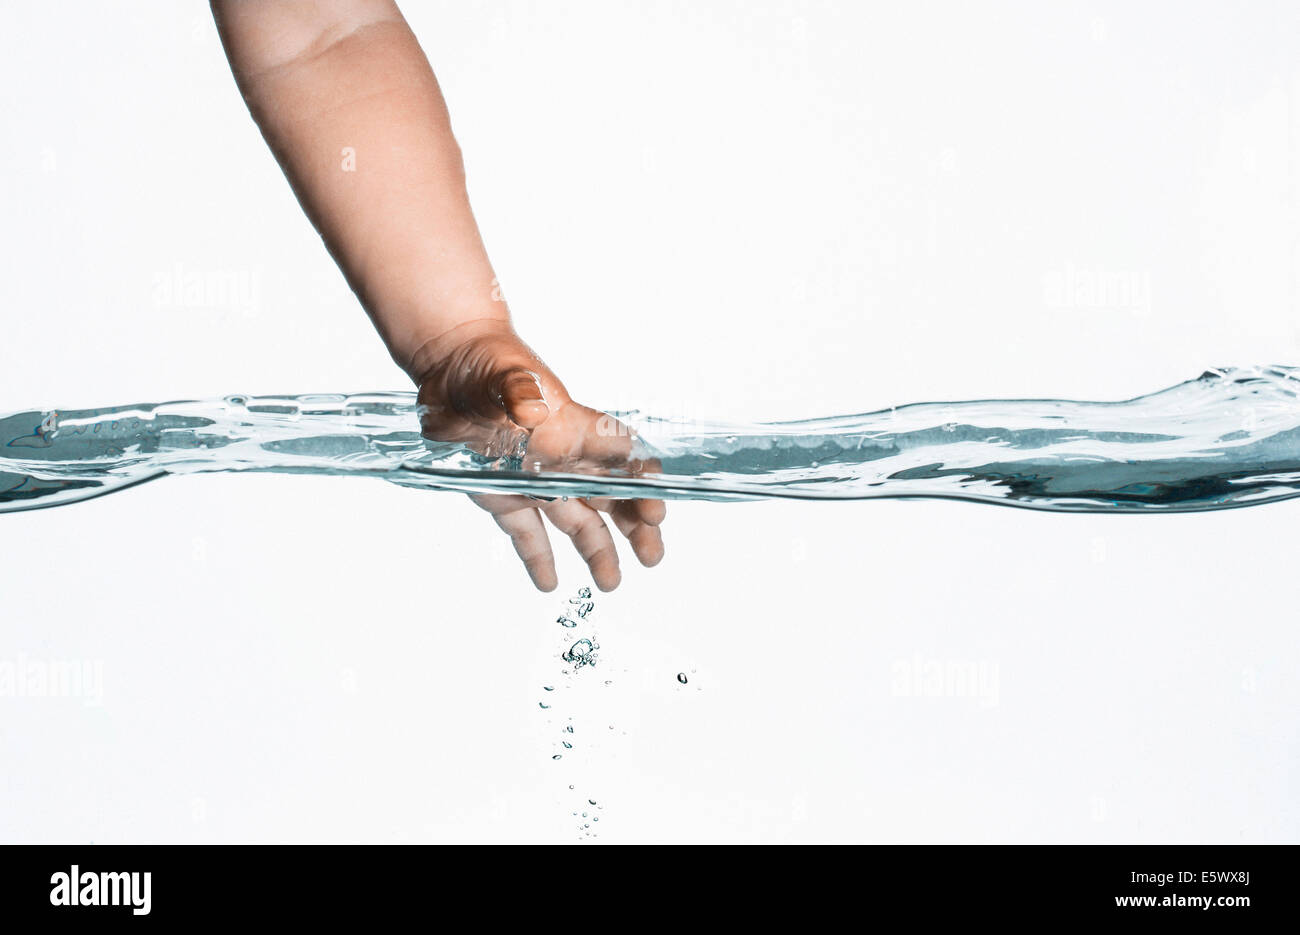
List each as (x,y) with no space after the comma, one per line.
(1229,438)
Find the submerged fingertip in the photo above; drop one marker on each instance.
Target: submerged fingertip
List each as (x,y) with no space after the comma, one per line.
(608,583)
(545,580)
(649,553)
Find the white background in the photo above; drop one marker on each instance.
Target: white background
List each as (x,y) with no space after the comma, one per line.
(757,210)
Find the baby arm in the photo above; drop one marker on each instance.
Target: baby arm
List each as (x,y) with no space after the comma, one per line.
(347,102)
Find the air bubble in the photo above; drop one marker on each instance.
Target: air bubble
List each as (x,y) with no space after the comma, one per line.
(582,653)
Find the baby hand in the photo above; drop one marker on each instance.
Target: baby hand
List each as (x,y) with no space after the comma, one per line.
(480,385)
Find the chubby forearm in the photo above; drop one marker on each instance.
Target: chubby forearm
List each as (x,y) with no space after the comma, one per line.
(347,101)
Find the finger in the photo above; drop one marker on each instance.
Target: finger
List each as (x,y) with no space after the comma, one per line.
(520,392)
(647,541)
(628,515)
(496,503)
(650,512)
(527,532)
(590,537)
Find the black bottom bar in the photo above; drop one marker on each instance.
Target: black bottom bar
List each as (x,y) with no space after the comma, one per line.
(977,885)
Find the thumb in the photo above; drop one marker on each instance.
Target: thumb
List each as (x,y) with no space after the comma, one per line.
(520,393)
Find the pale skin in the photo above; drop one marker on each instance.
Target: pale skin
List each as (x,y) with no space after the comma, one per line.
(347,102)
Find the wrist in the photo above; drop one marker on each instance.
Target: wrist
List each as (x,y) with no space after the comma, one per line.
(431,348)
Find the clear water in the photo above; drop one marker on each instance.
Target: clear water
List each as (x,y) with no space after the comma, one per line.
(1228,438)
